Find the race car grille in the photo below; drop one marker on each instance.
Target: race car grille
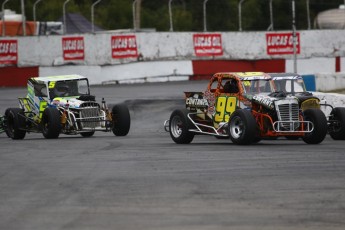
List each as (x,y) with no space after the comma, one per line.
(90,117)
(290,114)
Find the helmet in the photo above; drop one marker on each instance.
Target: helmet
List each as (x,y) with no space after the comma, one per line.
(61,90)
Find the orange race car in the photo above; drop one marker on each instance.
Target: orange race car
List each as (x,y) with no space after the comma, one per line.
(245,107)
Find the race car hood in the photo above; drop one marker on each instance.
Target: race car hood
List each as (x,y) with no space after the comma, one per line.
(73,102)
(268,100)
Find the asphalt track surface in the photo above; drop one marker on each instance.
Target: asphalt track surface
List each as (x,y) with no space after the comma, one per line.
(145,181)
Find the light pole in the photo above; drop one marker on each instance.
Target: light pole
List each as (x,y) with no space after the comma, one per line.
(34,9)
(93,15)
(133,11)
(205,21)
(170,16)
(294,38)
(308,14)
(23,14)
(64,16)
(271,27)
(240,15)
(3,18)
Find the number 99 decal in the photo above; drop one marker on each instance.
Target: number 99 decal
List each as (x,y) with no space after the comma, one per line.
(225,106)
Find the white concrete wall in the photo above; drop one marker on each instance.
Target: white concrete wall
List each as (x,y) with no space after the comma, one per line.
(157,46)
(312,65)
(125,72)
(330,81)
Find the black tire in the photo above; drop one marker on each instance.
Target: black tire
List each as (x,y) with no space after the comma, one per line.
(15,123)
(320,126)
(5,122)
(179,125)
(51,125)
(242,127)
(87,134)
(338,130)
(121,120)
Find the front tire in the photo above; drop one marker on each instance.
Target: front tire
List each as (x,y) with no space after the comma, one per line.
(242,127)
(51,125)
(179,126)
(338,130)
(121,120)
(15,122)
(318,118)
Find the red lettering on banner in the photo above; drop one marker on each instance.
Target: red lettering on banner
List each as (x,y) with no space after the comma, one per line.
(124,46)
(281,43)
(208,44)
(73,48)
(8,52)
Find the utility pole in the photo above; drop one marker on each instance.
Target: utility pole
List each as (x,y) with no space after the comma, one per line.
(93,15)
(240,15)
(23,15)
(64,17)
(34,9)
(170,16)
(3,18)
(205,21)
(294,37)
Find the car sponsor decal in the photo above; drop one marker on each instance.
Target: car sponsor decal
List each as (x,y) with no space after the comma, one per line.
(264,100)
(225,106)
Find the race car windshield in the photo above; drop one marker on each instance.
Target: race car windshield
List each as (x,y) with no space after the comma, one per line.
(68,88)
(290,86)
(257,86)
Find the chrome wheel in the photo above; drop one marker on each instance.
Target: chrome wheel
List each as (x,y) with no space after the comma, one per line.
(236,127)
(176,126)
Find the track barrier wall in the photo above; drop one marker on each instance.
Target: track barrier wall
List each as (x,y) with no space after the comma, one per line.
(123,56)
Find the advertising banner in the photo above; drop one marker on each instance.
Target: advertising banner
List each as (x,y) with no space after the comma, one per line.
(208,44)
(124,46)
(281,43)
(8,52)
(73,48)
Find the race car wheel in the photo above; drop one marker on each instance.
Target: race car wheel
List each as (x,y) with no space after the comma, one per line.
(87,134)
(179,126)
(318,118)
(15,123)
(5,122)
(121,120)
(338,130)
(51,125)
(242,127)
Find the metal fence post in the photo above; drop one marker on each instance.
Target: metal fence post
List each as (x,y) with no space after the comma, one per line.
(205,21)
(240,15)
(64,16)
(93,16)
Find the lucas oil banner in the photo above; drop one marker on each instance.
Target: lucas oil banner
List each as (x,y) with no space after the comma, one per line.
(281,43)
(208,44)
(124,46)
(8,52)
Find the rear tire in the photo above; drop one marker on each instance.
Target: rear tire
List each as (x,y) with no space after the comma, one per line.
(51,125)
(15,122)
(179,125)
(320,126)
(121,120)
(242,127)
(338,131)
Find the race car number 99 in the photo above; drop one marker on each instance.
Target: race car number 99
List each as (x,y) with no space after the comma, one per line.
(225,107)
